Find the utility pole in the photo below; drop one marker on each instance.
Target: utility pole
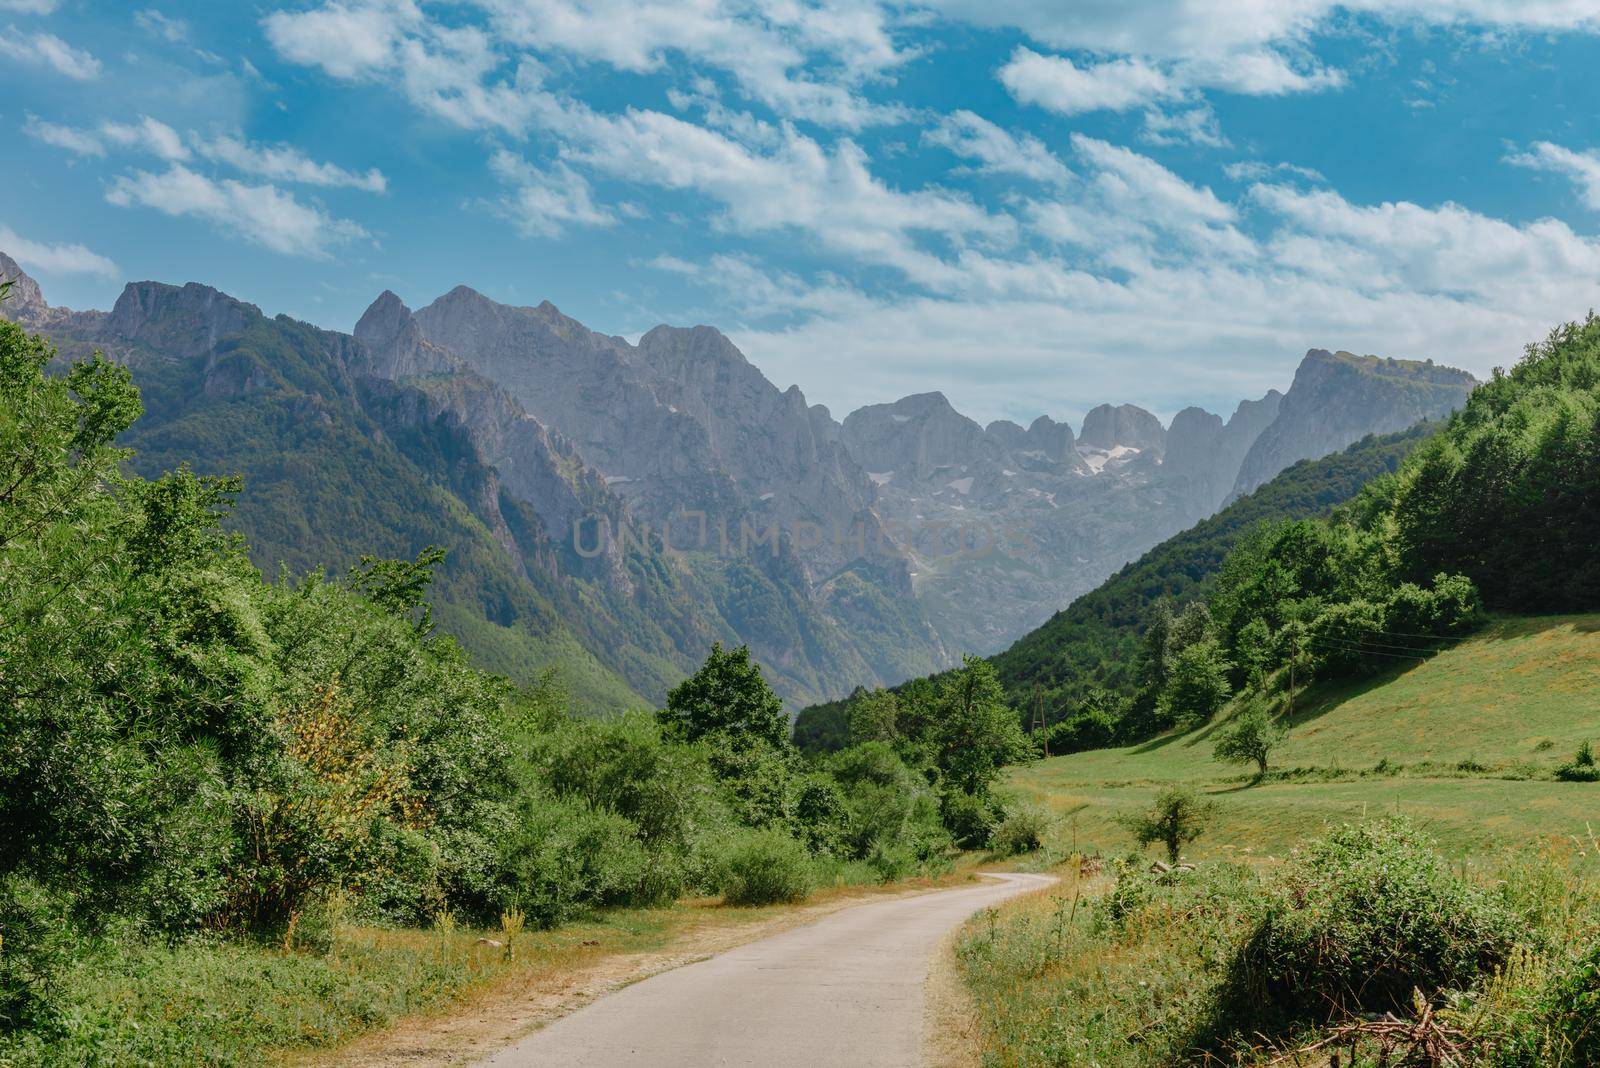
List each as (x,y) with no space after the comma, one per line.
(1038,718)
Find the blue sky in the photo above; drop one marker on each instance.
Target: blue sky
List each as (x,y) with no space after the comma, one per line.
(1033,206)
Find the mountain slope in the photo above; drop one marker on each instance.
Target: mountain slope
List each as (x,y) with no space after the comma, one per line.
(1465,743)
(1338,398)
(343,454)
(1092,642)
(749,486)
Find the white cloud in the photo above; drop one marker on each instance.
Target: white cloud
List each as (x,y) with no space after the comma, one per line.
(348,40)
(285,163)
(803,60)
(545,203)
(829,196)
(1254,170)
(78,142)
(173,30)
(1183,29)
(1059,85)
(1195,125)
(54,259)
(997,150)
(29,7)
(263,214)
(1157,296)
(146,135)
(1583,168)
(51,51)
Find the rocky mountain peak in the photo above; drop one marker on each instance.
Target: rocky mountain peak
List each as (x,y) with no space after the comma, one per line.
(915,436)
(1124,426)
(384,319)
(25,303)
(185,320)
(1337,398)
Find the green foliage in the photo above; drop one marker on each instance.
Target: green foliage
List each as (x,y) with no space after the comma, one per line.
(890,809)
(1365,917)
(1095,641)
(1523,456)
(729,698)
(1178,817)
(562,857)
(35,947)
(974,731)
(766,868)
(1250,738)
(1196,686)
(1582,767)
(1022,831)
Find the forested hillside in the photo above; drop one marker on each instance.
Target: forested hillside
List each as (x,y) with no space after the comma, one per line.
(1091,645)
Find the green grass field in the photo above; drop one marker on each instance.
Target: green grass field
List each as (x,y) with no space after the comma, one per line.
(1471,739)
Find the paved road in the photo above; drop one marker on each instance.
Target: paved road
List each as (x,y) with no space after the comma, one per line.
(844,991)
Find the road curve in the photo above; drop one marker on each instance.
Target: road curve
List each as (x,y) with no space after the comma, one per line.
(846,991)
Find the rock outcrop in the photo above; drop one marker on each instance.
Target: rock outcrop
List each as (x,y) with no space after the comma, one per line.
(1338,398)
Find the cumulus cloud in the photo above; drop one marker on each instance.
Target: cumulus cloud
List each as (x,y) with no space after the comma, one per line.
(546,202)
(46,49)
(285,163)
(279,162)
(262,214)
(78,142)
(1062,86)
(146,135)
(997,151)
(803,60)
(1582,168)
(1157,295)
(49,258)
(347,40)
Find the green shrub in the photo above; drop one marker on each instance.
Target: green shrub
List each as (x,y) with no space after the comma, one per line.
(35,942)
(1571,1008)
(970,819)
(1581,768)
(562,857)
(1022,831)
(1090,728)
(1362,919)
(766,868)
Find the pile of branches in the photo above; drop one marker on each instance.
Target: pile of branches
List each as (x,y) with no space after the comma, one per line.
(1425,1042)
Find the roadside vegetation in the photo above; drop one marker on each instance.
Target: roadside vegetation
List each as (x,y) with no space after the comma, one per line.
(1353,666)
(1368,945)
(244,811)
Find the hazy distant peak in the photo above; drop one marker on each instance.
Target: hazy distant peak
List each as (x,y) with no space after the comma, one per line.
(1125,425)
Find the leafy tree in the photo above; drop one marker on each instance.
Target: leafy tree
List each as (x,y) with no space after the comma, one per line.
(874,717)
(1178,817)
(726,697)
(975,732)
(1250,739)
(1197,686)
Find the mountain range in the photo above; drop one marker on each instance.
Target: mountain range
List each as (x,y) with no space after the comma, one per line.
(613,507)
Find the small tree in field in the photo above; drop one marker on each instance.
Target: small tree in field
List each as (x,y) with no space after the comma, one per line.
(1250,738)
(1178,817)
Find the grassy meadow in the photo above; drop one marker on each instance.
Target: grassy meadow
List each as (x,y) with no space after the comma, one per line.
(1465,744)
